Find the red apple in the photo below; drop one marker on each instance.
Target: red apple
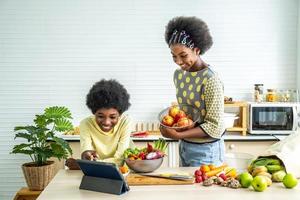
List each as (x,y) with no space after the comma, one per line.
(182,122)
(173,111)
(179,115)
(167,120)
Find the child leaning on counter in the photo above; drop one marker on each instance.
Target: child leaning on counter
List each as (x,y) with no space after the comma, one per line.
(105,135)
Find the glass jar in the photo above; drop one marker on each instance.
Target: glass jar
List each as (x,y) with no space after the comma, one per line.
(258,92)
(285,96)
(271,95)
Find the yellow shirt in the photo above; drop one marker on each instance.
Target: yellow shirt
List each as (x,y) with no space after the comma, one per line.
(108,145)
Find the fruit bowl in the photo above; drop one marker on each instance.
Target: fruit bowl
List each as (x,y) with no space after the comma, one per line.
(144,166)
(181,120)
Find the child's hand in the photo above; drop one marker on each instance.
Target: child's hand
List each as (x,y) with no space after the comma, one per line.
(89,155)
(72,164)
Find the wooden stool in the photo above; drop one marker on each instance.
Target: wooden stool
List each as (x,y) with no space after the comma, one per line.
(26,194)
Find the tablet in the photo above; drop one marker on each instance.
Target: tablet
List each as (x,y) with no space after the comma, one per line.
(102,177)
(100,169)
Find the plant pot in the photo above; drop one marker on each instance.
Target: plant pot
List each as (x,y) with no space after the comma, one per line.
(38,177)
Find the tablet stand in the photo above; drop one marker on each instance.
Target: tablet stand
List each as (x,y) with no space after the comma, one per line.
(105,185)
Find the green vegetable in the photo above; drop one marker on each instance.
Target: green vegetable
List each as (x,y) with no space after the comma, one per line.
(273,168)
(161,145)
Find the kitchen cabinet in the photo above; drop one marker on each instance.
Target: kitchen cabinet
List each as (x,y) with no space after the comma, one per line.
(252,147)
(241,126)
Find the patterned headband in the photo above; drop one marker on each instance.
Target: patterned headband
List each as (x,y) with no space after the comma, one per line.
(182,38)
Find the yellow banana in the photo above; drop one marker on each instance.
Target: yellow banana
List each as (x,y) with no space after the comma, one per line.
(259,169)
(264,174)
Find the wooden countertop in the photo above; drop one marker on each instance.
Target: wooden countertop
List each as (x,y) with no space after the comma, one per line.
(65,185)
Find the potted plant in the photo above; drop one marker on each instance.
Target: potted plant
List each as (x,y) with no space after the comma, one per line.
(42,144)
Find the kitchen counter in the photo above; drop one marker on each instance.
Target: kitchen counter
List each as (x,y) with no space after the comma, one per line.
(227,137)
(65,185)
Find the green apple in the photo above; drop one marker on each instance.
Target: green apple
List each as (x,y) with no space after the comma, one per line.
(259,183)
(245,179)
(289,181)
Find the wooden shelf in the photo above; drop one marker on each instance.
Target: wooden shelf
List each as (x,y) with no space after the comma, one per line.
(26,194)
(242,124)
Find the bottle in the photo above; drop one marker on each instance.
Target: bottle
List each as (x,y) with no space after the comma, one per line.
(258,92)
(271,95)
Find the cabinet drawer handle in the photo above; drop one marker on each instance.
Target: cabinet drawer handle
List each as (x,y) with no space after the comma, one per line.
(232,146)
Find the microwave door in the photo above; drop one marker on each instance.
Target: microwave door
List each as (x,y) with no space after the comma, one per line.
(272,119)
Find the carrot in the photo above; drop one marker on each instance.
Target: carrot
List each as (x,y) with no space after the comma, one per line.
(215,171)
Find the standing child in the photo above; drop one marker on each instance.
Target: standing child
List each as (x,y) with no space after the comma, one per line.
(105,135)
(197,85)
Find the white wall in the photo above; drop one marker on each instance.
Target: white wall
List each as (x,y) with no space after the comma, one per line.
(52,51)
(298,52)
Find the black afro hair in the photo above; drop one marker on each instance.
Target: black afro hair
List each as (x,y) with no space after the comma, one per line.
(108,94)
(193,26)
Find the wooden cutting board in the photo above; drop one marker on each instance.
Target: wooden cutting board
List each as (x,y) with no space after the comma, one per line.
(136,179)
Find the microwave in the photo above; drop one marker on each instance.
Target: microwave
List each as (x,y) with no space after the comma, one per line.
(273,118)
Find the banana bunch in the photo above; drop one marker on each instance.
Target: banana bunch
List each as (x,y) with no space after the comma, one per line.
(266,167)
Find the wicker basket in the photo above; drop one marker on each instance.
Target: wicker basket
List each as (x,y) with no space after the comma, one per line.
(38,177)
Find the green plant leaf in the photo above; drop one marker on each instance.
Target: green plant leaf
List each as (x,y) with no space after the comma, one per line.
(27,136)
(29,129)
(41,121)
(63,143)
(21,147)
(59,151)
(63,125)
(58,112)
(23,151)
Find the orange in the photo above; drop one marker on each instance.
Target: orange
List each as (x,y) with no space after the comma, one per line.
(204,168)
(212,167)
(123,169)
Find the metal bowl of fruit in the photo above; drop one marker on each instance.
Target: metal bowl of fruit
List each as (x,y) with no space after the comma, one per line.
(144,166)
(146,159)
(179,117)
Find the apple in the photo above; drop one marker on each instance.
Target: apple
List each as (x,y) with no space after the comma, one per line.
(289,181)
(167,120)
(198,172)
(259,183)
(245,179)
(198,179)
(179,115)
(173,111)
(204,176)
(182,122)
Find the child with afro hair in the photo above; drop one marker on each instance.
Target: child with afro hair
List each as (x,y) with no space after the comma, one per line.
(105,135)
(199,86)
